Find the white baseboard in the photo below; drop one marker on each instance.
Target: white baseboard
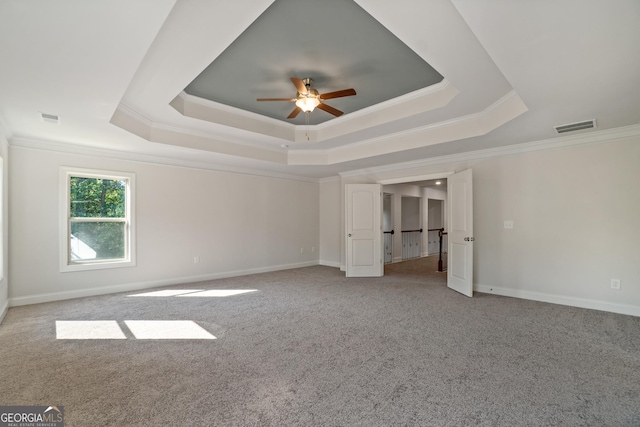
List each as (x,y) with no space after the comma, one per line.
(3,311)
(330,263)
(127,287)
(560,299)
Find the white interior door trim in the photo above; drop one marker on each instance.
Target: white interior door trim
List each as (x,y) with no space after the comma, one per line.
(460,233)
(363,225)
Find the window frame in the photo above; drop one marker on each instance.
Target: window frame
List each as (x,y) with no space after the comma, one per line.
(129,260)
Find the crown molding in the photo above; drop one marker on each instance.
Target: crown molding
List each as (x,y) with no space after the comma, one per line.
(409,180)
(329,179)
(478,116)
(603,136)
(188,98)
(68,148)
(422,100)
(495,115)
(506,108)
(137,124)
(440,87)
(129,111)
(134,114)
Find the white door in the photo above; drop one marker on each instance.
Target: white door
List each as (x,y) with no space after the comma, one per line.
(364,230)
(460,261)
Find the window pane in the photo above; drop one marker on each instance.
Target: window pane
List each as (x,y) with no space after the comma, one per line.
(97,198)
(97,241)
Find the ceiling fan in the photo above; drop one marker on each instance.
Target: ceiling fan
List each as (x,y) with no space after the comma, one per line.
(308,98)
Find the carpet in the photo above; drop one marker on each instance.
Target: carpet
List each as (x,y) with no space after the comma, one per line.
(309,347)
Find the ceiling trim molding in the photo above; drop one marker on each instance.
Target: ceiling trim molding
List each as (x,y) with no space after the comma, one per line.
(444,86)
(135,114)
(165,134)
(603,136)
(329,179)
(503,110)
(506,100)
(419,101)
(500,112)
(225,115)
(410,179)
(206,135)
(147,122)
(67,148)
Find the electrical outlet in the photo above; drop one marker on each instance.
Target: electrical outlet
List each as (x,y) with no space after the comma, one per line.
(196,259)
(508,224)
(615,283)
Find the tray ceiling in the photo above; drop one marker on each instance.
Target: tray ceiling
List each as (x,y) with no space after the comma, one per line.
(118,74)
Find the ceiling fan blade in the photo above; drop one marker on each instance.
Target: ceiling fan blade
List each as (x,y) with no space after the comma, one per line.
(299,84)
(294,113)
(338,94)
(330,110)
(276,99)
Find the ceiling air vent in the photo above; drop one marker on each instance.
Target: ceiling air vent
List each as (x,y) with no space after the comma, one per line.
(50,118)
(588,124)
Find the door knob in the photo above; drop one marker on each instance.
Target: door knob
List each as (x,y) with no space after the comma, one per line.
(349,234)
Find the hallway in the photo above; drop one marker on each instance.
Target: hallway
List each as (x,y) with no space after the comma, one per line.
(424,266)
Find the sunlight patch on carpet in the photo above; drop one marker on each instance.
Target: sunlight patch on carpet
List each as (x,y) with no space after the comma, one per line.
(166,293)
(213,293)
(167,330)
(219,293)
(88,330)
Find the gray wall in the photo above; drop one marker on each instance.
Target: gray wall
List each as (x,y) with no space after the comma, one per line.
(4,224)
(576,220)
(411,213)
(330,216)
(235,223)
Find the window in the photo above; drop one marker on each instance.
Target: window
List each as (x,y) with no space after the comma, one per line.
(96,219)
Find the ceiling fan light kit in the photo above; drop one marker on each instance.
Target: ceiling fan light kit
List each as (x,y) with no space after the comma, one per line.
(307,102)
(307,98)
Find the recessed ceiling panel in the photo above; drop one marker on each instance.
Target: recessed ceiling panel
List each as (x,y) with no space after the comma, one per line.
(334,42)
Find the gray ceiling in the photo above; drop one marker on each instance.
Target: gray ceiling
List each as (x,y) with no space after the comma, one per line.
(335,42)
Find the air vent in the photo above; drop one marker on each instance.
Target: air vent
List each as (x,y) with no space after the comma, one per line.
(50,118)
(588,124)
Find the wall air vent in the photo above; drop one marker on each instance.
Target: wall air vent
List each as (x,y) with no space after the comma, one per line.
(588,124)
(50,118)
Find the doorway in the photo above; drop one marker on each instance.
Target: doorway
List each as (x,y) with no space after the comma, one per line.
(410,210)
(363,223)
(411,224)
(435,220)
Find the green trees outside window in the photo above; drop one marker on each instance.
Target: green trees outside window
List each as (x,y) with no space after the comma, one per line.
(97,211)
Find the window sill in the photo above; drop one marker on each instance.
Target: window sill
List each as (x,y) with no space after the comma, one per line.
(66,268)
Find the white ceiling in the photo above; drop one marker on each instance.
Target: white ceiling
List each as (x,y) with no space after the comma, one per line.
(115,71)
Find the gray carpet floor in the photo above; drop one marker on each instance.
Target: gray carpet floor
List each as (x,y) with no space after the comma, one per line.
(312,348)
